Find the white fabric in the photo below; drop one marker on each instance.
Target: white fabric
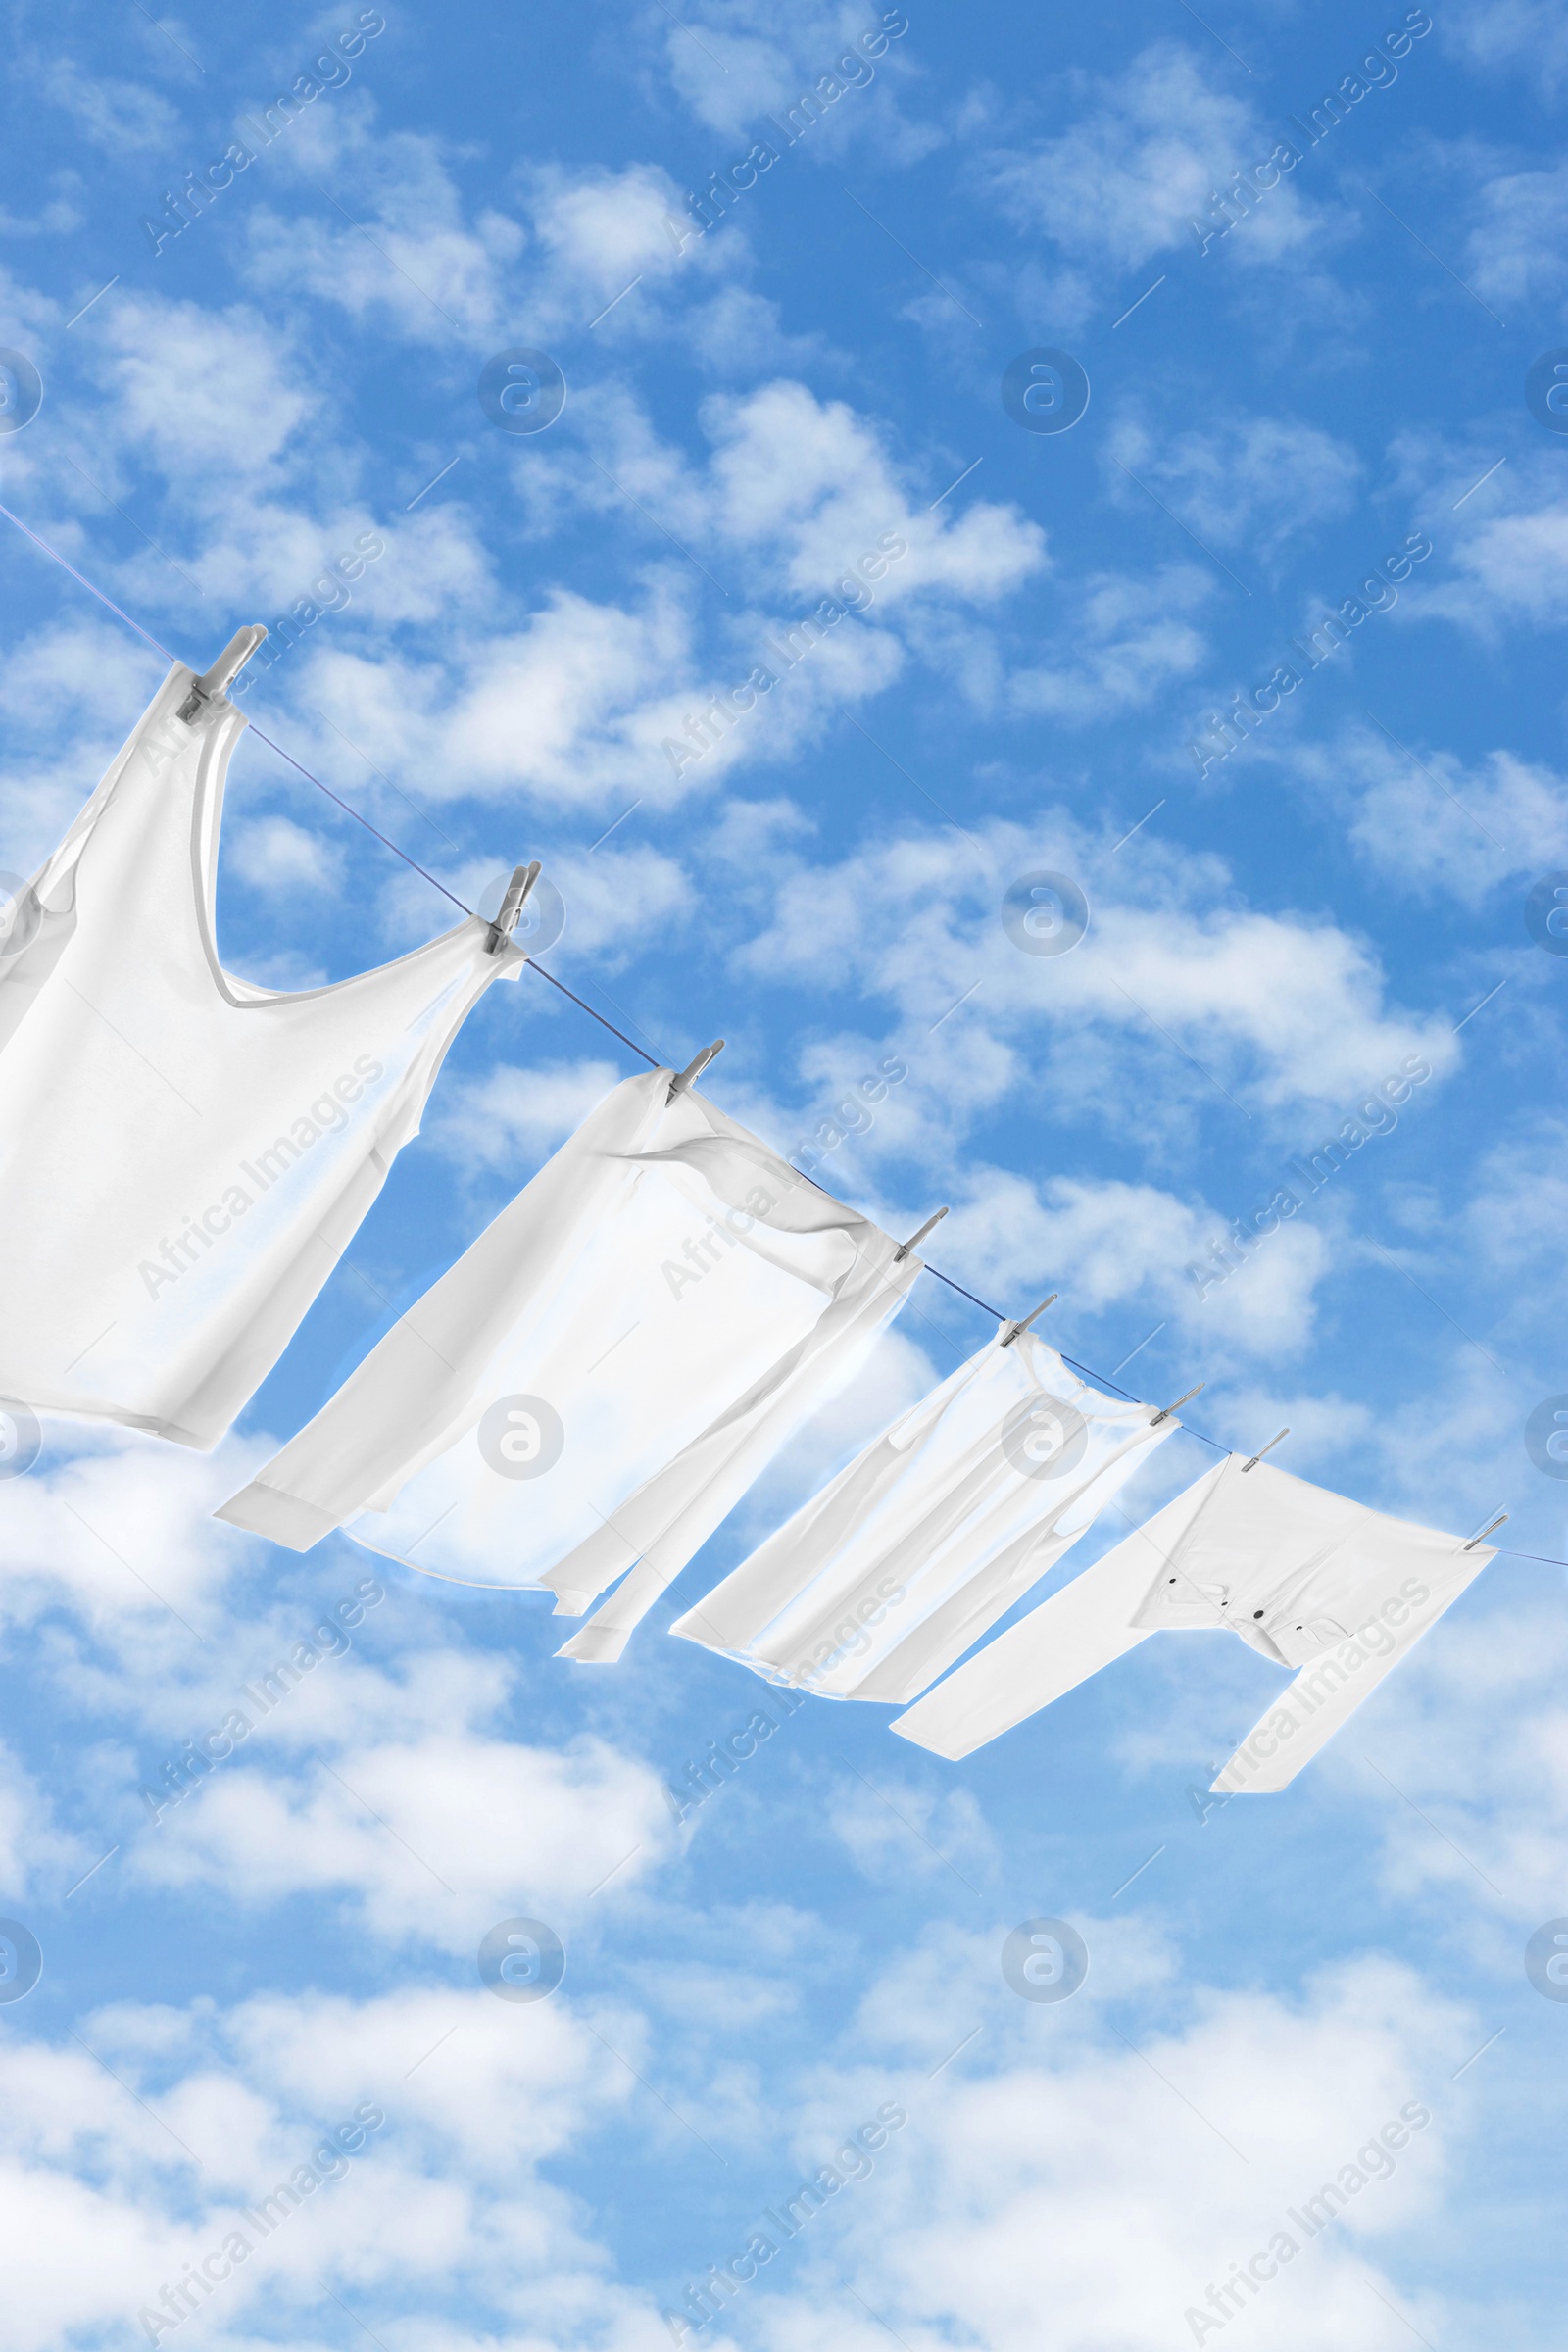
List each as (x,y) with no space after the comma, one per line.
(183,1155)
(933,1532)
(1306,1577)
(675,1298)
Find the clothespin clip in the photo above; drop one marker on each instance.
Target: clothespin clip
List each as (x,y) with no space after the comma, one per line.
(915,1238)
(694,1070)
(1166,1411)
(524,878)
(230,661)
(1262,1450)
(1010,1331)
(1490,1529)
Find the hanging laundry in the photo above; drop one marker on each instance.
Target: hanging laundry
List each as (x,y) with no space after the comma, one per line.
(183,1155)
(598,1380)
(930,1535)
(1306,1577)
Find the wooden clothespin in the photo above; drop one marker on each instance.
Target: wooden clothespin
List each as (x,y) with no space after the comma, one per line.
(1010,1331)
(915,1238)
(692,1070)
(524,878)
(225,670)
(1262,1450)
(1166,1411)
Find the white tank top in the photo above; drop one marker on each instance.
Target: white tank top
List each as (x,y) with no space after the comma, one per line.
(184,1156)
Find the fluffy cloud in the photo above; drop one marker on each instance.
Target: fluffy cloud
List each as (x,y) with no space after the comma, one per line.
(734,61)
(115,1523)
(1026,2169)
(1286,1010)
(394,1828)
(1428,821)
(1255,482)
(1139,160)
(1127,641)
(1514,254)
(438,2185)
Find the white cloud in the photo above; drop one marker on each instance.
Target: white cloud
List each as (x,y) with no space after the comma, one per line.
(1142,152)
(736,62)
(273,854)
(1022,2177)
(114,115)
(447,2183)
(115,1523)
(1513,568)
(512,1119)
(395,1827)
(1287,1009)
(1515,254)
(205,394)
(808,483)
(1126,640)
(584,697)
(1252,482)
(412,262)
(1113,1245)
(1427,821)
(1502,538)
(1527,36)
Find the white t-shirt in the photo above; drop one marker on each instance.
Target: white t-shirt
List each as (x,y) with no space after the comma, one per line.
(184,1156)
(598,1380)
(1307,1578)
(933,1532)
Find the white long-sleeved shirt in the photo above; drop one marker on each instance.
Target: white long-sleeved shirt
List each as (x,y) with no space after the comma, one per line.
(931,1533)
(593,1385)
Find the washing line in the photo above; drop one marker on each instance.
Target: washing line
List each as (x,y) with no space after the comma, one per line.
(1086,1370)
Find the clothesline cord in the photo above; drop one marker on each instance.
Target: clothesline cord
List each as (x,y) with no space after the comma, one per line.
(594,1016)
(1086,1370)
(349,811)
(158,646)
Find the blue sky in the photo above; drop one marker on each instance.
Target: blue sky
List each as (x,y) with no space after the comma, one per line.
(1273,413)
